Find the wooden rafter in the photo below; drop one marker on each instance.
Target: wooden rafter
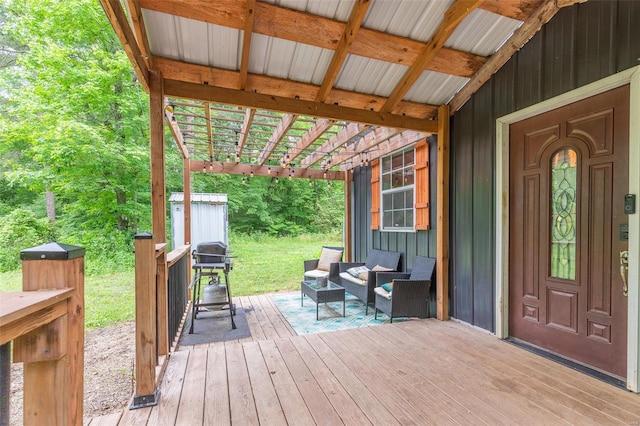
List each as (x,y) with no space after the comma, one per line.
(279,132)
(523,34)
(345,135)
(175,130)
(452,18)
(394,143)
(350,31)
(319,127)
(244,130)
(140,31)
(366,143)
(119,22)
(207,114)
(246,42)
(301,27)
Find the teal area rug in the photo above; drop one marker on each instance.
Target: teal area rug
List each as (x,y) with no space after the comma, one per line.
(303,318)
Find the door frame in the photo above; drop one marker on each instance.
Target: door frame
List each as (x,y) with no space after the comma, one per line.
(631,77)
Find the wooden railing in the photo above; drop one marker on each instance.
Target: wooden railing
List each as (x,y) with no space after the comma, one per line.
(45,322)
(156,307)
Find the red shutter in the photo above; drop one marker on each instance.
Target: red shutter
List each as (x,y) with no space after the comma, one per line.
(375,194)
(421,168)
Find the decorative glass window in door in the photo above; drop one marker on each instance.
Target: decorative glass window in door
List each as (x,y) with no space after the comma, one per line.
(563,202)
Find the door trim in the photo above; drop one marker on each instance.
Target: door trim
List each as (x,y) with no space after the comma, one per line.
(631,77)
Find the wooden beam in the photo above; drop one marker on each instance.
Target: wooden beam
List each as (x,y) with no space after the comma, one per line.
(244,130)
(186,193)
(207,114)
(567,3)
(348,217)
(175,131)
(520,37)
(442,216)
(452,18)
(319,127)
(345,135)
(348,35)
(140,31)
(232,168)
(119,22)
(278,133)
(294,106)
(246,42)
(392,144)
(266,85)
(305,28)
(368,142)
(518,10)
(156,136)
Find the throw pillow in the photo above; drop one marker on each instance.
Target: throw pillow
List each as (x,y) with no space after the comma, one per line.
(388,287)
(327,257)
(357,270)
(364,276)
(379,268)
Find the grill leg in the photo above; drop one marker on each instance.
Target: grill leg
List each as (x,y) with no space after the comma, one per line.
(231,308)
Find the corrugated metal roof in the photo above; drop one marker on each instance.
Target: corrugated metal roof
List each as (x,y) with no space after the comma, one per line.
(482,33)
(435,88)
(414,19)
(366,75)
(199,197)
(333,9)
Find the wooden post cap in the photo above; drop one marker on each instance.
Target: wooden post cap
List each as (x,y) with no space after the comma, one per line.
(52,251)
(143,236)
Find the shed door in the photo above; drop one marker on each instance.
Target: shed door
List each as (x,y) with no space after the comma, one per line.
(568,177)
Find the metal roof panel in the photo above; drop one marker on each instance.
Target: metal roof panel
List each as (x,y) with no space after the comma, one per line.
(370,76)
(435,88)
(414,19)
(482,32)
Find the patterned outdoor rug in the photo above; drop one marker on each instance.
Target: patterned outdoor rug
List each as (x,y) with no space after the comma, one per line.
(303,318)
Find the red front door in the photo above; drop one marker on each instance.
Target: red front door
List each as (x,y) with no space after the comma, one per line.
(568,177)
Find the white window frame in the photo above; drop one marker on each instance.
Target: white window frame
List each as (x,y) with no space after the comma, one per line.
(404,188)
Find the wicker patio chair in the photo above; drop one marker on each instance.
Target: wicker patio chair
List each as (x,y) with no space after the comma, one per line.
(401,294)
(325,266)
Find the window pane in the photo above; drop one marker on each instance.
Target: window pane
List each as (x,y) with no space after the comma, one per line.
(396,162)
(408,200)
(387,221)
(408,158)
(386,164)
(398,219)
(386,182)
(409,218)
(408,176)
(396,179)
(563,214)
(398,201)
(387,202)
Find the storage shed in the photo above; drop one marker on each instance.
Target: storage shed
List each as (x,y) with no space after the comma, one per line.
(209,221)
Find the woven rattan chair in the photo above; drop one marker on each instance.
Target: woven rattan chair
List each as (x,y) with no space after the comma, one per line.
(409,295)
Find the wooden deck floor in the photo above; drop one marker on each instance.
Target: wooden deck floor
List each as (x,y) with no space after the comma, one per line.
(415,372)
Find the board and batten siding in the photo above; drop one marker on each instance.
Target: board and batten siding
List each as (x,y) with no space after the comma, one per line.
(581,44)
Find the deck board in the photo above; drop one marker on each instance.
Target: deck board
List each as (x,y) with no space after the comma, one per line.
(412,372)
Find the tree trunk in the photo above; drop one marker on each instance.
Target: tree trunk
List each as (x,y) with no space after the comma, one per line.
(51,206)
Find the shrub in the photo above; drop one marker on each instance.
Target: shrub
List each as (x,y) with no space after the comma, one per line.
(19,230)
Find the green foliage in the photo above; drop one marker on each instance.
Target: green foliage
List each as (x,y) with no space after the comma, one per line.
(21,229)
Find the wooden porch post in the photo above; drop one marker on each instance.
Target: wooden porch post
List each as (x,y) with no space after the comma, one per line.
(146,314)
(348,229)
(442,225)
(156,123)
(186,184)
(53,354)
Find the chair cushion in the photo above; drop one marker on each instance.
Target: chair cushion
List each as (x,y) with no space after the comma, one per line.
(382,292)
(347,276)
(327,257)
(357,271)
(388,287)
(316,273)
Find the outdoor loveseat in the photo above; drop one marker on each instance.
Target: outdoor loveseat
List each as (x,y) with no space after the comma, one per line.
(359,278)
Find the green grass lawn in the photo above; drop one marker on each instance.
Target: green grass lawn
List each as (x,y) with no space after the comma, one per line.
(262,264)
